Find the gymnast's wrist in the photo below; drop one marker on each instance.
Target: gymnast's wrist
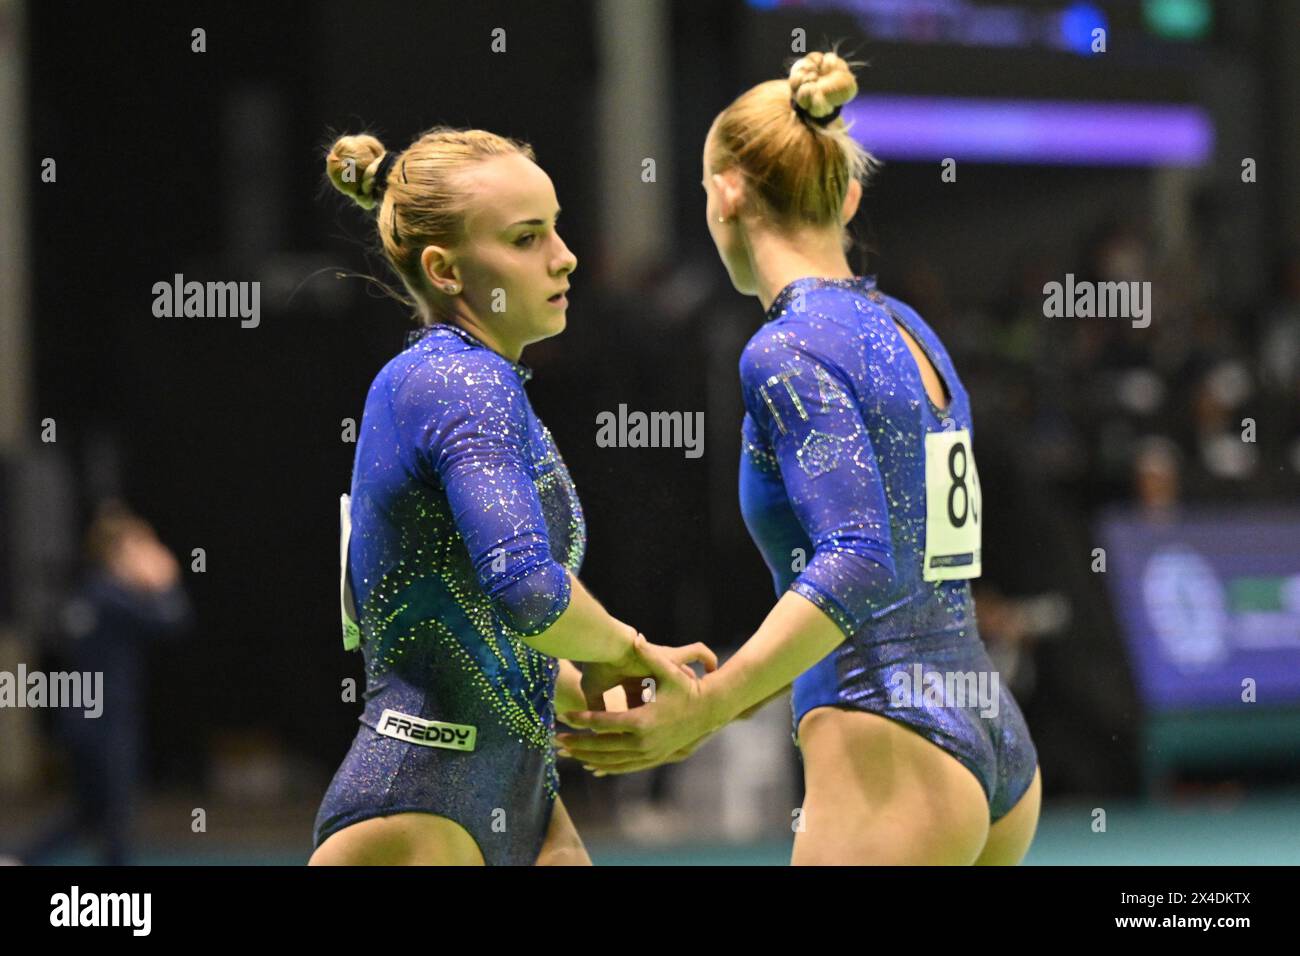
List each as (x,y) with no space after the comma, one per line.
(627,648)
(722,700)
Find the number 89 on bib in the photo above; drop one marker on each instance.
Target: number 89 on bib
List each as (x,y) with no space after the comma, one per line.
(953,507)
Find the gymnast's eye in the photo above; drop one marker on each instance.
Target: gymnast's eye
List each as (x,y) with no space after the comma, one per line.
(526,239)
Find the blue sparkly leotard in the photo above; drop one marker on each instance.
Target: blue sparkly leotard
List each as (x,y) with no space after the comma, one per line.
(464,521)
(833,473)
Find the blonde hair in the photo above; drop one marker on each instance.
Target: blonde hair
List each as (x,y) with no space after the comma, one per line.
(423,201)
(799,168)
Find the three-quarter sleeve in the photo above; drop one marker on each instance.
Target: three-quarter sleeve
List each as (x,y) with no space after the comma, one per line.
(467,418)
(803,401)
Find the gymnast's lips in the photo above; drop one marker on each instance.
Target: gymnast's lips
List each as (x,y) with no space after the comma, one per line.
(559,297)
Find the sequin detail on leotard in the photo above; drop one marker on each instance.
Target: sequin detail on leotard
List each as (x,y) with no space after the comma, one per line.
(834,399)
(465,522)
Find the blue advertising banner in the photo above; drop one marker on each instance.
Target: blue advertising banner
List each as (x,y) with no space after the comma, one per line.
(1209,605)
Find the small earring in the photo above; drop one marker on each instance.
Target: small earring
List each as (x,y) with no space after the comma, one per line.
(720,219)
(452,288)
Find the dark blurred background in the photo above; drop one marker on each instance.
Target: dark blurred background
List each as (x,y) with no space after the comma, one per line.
(230,439)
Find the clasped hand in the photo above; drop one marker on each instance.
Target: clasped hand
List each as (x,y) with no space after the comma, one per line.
(668,716)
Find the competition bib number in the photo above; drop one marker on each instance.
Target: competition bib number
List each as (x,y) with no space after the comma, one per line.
(953,507)
(347,606)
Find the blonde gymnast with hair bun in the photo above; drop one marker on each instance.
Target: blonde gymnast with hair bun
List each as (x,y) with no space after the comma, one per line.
(858,451)
(466,530)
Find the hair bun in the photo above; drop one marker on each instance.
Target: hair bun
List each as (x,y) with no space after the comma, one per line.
(351,164)
(820,82)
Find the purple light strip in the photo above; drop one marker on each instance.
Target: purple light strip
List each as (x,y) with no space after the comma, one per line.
(1032,131)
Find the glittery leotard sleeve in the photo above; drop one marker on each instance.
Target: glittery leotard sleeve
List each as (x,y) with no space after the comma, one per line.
(833,462)
(469,427)
(802,399)
(466,527)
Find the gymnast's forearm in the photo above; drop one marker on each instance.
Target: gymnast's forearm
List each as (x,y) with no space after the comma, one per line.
(585,631)
(795,635)
(751,711)
(568,688)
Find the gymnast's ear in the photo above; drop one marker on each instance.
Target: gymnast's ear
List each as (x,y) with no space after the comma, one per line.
(851,200)
(730,185)
(438,264)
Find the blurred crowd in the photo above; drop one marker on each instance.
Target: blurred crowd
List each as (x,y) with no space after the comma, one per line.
(1202,406)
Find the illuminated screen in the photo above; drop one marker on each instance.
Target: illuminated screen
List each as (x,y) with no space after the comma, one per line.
(1037,132)
(1207,602)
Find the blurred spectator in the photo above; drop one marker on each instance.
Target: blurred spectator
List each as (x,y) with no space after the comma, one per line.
(128,594)
(1279,365)
(1280,343)
(1156,481)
